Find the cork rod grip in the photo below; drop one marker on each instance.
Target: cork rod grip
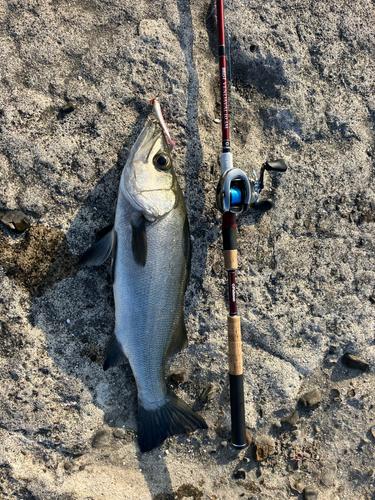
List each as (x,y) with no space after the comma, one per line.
(234,345)
(230,260)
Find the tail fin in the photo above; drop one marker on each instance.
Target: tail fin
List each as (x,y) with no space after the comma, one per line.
(175,417)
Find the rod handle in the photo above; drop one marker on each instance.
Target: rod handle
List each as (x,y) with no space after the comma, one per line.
(230,260)
(237,407)
(234,345)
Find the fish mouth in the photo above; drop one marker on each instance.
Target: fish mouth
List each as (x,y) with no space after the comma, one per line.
(146,140)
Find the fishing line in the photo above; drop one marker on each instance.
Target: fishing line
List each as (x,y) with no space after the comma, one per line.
(227,29)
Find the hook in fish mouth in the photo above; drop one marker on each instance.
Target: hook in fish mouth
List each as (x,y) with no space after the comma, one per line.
(159,115)
(151,133)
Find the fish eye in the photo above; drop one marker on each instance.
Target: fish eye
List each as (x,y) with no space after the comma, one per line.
(162,161)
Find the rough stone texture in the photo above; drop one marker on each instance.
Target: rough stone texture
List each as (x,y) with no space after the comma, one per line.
(76,78)
(311,398)
(264,447)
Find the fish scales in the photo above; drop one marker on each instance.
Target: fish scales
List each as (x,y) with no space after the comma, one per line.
(148,300)
(150,248)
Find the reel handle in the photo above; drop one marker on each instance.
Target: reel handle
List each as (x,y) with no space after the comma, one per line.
(262,205)
(276,165)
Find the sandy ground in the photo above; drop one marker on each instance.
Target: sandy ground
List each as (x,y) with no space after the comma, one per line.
(76,79)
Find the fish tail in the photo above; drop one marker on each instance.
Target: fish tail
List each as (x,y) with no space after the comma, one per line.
(175,417)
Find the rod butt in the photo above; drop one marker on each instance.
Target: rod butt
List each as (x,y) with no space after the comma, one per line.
(237,411)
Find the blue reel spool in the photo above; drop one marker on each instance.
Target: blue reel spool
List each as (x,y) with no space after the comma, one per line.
(235,196)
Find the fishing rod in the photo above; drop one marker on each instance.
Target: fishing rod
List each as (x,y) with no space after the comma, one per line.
(234,195)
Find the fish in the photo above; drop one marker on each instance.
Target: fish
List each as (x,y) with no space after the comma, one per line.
(150,251)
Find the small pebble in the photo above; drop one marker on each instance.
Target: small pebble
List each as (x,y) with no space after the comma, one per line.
(15,220)
(119,433)
(291,418)
(296,484)
(68,321)
(216,269)
(311,398)
(372,430)
(67,465)
(224,444)
(217,120)
(248,438)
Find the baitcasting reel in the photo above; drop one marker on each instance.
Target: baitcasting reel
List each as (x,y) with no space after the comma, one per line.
(235,193)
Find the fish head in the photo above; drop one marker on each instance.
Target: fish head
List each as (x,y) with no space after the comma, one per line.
(148,179)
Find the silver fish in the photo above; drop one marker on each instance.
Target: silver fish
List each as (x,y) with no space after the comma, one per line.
(150,247)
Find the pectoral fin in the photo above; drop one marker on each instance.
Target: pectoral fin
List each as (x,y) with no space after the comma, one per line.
(98,253)
(139,240)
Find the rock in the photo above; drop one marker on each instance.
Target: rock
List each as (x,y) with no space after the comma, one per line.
(216,268)
(264,447)
(310,493)
(328,476)
(354,362)
(224,444)
(372,430)
(240,474)
(16,220)
(311,398)
(119,433)
(248,438)
(291,418)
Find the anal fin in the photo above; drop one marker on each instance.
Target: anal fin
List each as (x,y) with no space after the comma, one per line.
(179,340)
